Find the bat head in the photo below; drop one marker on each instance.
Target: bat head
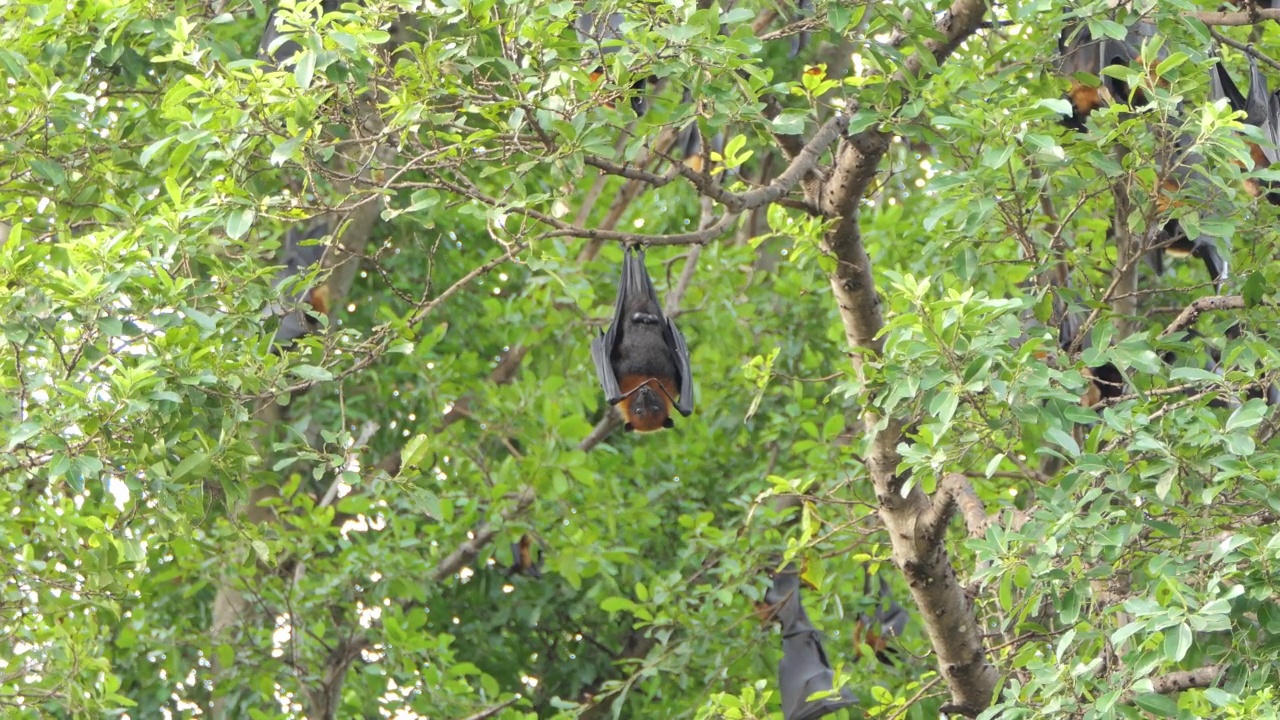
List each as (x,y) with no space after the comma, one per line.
(648,410)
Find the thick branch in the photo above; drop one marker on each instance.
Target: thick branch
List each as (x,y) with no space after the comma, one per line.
(596,235)
(955,492)
(480,537)
(910,518)
(1201,677)
(1236,19)
(699,237)
(804,162)
(491,711)
(1188,317)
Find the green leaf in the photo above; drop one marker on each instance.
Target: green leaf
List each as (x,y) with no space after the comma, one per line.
(23,433)
(50,170)
(414,452)
(1063,440)
(1060,106)
(239,221)
(790,123)
(1161,705)
(149,151)
(617,604)
(286,150)
(196,463)
(302,72)
(1255,289)
(311,372)
(1177,642)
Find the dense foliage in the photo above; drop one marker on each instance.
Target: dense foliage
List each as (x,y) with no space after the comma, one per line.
(195,523)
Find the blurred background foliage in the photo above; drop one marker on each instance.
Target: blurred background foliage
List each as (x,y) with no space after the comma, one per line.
(151,166)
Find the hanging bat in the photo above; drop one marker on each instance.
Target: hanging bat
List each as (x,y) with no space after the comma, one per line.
(1172,238)
(1212,363)
(523,561)
(888,621)
(1105,381)
(589,31)
(1081,58)
(1262,110)
(642,360)
(689,147)
(804,668)
(302,250)
(1270,394)
(287,48)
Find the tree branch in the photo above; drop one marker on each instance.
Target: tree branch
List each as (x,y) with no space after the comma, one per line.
(955,492)
(909,517)
(1188,317)
(1236,19)
(1201,677)
(1244,48)
(491,711)
(480,537)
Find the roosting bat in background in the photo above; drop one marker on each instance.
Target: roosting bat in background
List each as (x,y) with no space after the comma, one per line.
(1181,175)
(287,47)
(887,621)
(804,668)
(1082,55)
(523,561)
(301,252)
(642,360)
(1262,110)
(590,31)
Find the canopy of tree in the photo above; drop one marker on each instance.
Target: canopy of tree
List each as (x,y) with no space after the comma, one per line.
(298,413)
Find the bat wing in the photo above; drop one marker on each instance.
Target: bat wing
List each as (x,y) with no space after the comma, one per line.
(1078,55)
(685,404)
(800,40)
(1116,52)
(891,616)
(287,47)
(1271,129)
(1221,86)
(1258,105)
(894,621)
(588,30)
(635,279)
(1207,250)
(600,347)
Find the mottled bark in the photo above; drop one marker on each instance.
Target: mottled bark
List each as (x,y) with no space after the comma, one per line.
(915,523)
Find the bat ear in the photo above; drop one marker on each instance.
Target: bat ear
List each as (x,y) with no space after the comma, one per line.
(628,427)
(668,423)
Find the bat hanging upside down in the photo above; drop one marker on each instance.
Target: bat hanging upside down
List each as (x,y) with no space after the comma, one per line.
(642,359)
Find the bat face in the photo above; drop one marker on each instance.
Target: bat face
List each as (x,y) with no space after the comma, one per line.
(642,360)
(647,409)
